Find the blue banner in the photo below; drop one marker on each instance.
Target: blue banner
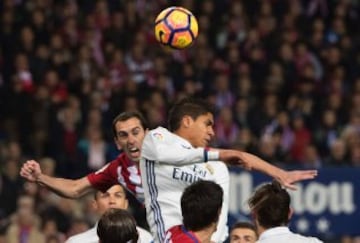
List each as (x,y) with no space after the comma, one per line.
(326,206)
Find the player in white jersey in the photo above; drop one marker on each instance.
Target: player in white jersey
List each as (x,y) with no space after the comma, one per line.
(114,197)
(270,206)
(170,161)
(164,183)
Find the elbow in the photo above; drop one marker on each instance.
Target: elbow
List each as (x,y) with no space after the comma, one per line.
(76,191)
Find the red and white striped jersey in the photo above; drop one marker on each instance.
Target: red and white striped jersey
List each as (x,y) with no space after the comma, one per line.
(121,170)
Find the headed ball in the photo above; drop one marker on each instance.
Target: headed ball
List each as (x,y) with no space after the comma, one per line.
(176,27)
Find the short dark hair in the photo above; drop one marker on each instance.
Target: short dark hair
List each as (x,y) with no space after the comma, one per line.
(201,204)
(187,106)
(117,226)
(271,205)
(96,192)
(243,225)
(124,116)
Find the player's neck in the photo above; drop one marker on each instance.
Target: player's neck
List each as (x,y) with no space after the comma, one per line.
(204,236)
(183,133)
(260,229)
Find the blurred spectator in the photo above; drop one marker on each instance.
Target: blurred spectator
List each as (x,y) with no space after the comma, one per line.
(355,155)
(265,112)
(25,225)
(242,113)
(226,129)
(243,232)
(311,158)
(138,63)
(64,139)
(327,132)
(78,226)
(281,130)
(10,187)
(338,154)
(48,166)
(223,95)
(94,151)
(302,137)
(268,61)
(351,131)
(245,141)
(51,232)
(155,109)
(267,149)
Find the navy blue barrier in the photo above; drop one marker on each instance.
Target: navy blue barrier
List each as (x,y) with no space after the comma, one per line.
(327,206)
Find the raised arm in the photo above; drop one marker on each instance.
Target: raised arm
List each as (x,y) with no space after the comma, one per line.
(63,187)
(250,161)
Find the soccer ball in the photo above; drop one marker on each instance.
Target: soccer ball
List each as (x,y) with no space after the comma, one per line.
(176,27)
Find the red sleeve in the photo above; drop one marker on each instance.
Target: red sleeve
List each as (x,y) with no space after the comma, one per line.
(105,177)
(177,234)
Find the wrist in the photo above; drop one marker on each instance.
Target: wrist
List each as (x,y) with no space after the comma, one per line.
(210,155)
(278,174)
(39,179)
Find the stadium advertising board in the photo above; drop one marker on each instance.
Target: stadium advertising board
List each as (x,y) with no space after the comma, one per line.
(327,205)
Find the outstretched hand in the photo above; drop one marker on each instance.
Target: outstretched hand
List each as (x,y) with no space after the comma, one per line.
(31,170)
(251,162)
(288,178)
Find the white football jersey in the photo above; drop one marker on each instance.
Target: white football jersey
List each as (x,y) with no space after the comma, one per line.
(168,165)
(284,235)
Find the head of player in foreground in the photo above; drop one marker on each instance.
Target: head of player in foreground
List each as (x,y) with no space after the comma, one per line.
(117,226)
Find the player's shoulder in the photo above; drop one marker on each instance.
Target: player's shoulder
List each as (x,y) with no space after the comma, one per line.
(172,233)
(298,238)
(88,236)
(121,159)
(156,132)
(308,239)
(144,235)
(178,234)
(161,134)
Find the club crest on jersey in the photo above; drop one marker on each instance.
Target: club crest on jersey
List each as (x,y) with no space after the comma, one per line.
(158,136)
(209,168)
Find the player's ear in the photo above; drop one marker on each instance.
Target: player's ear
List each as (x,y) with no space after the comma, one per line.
(94,204)
(126,204)
(187,121)
(118,146)
(291,211)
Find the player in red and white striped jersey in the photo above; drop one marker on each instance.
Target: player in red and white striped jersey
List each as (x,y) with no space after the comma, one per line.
(129,130)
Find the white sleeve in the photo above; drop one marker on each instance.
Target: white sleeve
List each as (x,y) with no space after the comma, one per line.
(316,240)
(144,236)
(71,239)
(162,146)
(223,179)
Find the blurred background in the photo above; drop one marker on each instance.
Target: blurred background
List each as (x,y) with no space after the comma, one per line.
(284,77)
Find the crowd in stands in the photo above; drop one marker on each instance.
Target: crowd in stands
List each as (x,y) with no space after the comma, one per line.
(284,77)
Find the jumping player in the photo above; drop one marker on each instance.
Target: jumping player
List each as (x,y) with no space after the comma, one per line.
(172,160)
(129,130)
